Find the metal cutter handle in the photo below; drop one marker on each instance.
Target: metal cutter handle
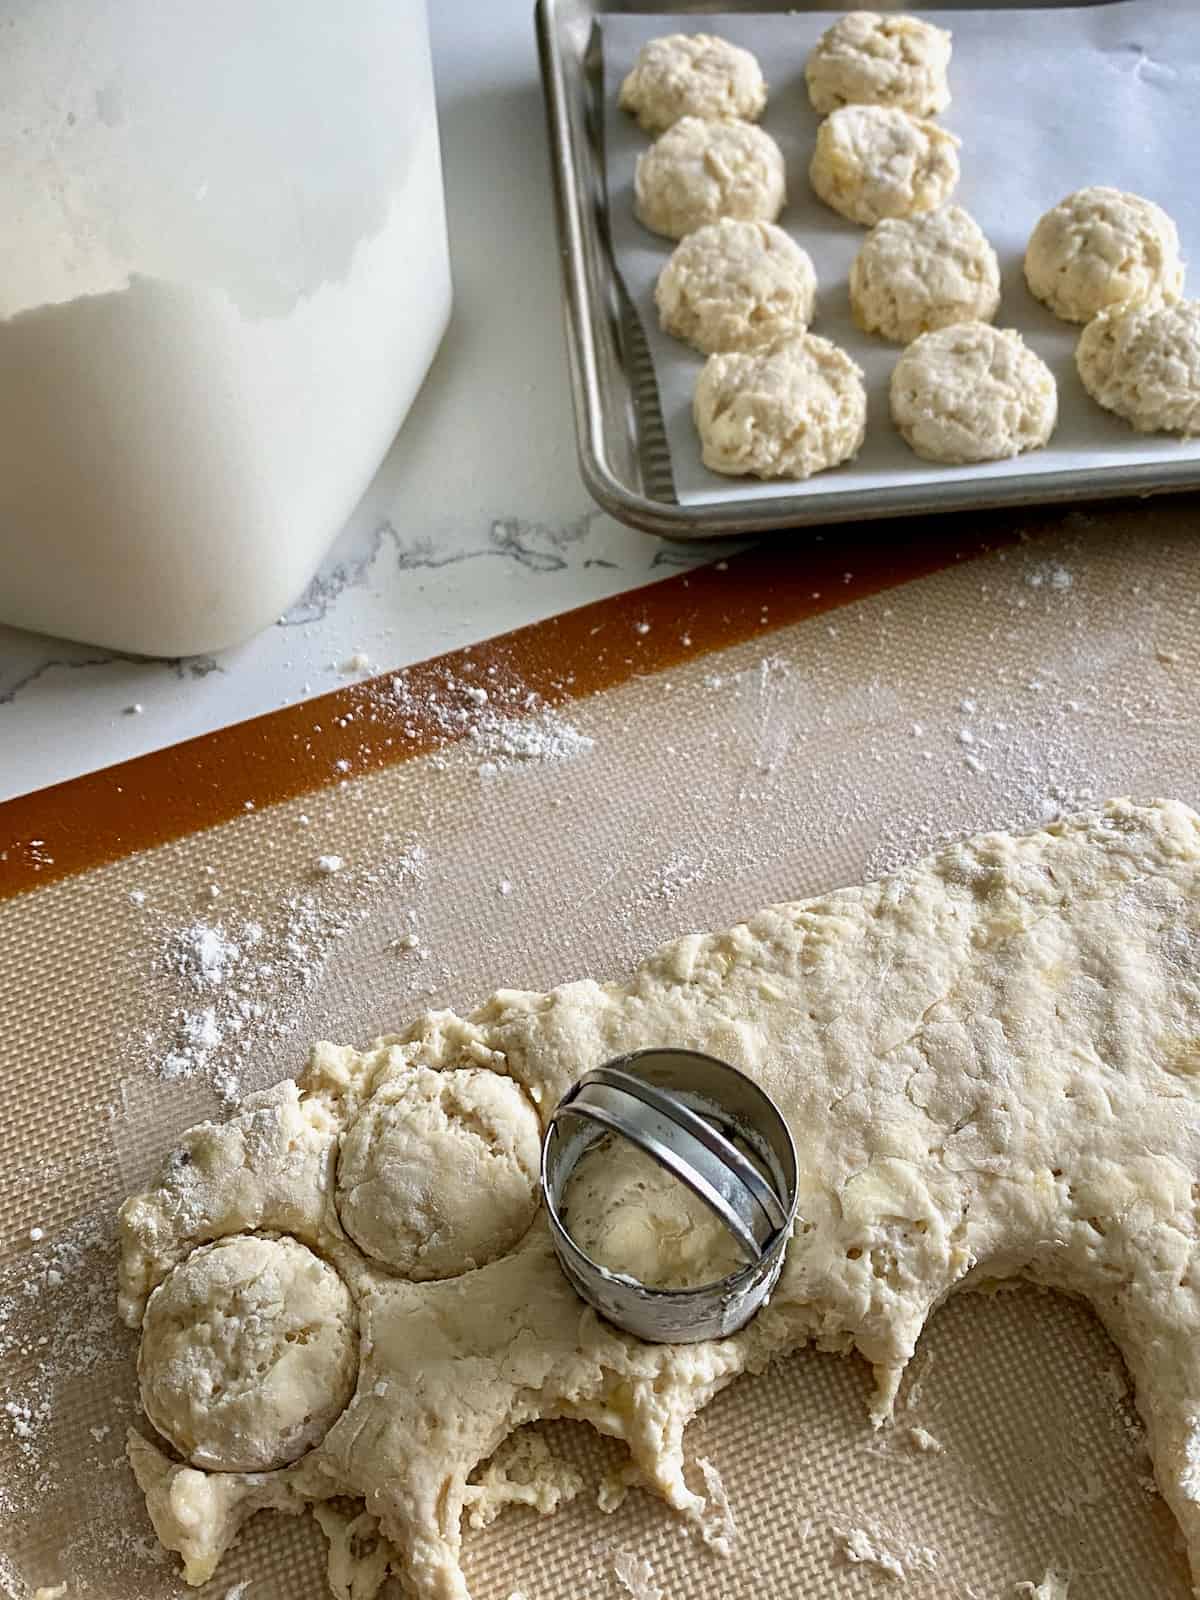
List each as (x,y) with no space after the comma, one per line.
(687,1145)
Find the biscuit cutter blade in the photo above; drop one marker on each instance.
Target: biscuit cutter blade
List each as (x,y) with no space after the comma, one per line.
(716,1131)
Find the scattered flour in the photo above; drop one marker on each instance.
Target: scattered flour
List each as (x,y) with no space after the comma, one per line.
(1052,1587)
(868,1547)
(636,1576)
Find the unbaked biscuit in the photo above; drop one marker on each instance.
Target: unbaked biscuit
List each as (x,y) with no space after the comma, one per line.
(1101,247)
(249,1353)
(1143,362)
(872,162)
(971,392)
(736,286)
(692,75)
(783,413)
(867,59)
(700,171)
(914,274)
(438,1172)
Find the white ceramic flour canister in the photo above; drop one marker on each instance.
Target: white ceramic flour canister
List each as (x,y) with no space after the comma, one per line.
(223,276)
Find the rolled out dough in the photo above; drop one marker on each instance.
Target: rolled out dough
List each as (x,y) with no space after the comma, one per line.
(991,1066)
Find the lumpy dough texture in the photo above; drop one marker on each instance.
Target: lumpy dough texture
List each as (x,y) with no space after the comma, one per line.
(868,59)
(872,162)
(914,274)
(736,286)
(249,1352)
(786,413)
(1143,362)
(700,171)
(692,75)
(1100,247)
(633,1217)
(971,392)
(438,1172)
(988,1064)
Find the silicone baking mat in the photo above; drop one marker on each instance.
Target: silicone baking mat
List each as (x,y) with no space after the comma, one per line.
(842,728)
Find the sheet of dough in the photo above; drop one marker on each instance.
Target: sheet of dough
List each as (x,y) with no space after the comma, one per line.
(989,1063)
(1045,102)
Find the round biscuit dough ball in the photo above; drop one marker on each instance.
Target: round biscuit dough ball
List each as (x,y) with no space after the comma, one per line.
(788,412)
(971,392)
(249,1353)
(692,75)
(1143,363)
(1099,248)
(914,274)
(736,286)
(872,162)
(700,171)
(438,1173)
(869,59)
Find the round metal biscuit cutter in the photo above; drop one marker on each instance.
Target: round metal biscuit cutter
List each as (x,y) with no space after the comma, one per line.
(715,1130)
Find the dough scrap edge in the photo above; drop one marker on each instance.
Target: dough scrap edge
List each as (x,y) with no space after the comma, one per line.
(1002,1077)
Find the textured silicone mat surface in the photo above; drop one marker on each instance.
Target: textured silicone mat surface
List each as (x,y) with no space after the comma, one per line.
(993,694)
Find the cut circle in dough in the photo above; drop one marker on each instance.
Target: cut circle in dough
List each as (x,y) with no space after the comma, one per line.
(868,59)
(915,274)
(633,1217)
(971,392)
(736,286)
(788,412)
(438,1172)
(249,1353)
(1143,363)
(692,75)
(1101,247)
(700,171)
(872,162)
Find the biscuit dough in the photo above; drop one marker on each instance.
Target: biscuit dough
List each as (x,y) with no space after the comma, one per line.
(1100,247)
(1143,362)
(786,413)
(736,286)
(914,274)
(692,75)
(872,162)
(699,171)
(438,1172)
(868,59)
(971,392)
(632,1216)
(249,1352)
(989,1062)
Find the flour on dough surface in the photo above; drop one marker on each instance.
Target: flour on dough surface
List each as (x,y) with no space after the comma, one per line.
(990,1065)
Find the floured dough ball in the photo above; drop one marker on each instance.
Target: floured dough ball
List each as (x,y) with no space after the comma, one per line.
(1100,247)
(914,274)
(249,1353)
(631,1216)
(866,59)
(736,286)
(1143,362)
(438,1172)
(692,75)
(971,392)
(700,171)
(784,413)
(872,162)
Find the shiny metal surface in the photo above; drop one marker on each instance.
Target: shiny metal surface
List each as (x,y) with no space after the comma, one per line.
(718,1132)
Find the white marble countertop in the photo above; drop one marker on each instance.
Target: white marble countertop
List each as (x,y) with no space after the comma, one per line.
(478,521)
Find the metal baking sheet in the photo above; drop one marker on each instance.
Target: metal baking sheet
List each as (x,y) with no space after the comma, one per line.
(624,451)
